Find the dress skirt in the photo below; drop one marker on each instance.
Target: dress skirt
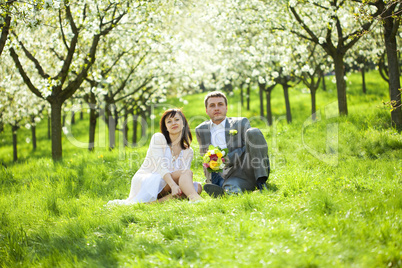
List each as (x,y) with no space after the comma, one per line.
(145,187)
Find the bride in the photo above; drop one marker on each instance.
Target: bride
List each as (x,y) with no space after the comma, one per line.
(165,172)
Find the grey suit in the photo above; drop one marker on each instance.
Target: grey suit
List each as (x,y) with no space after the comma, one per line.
(247,157)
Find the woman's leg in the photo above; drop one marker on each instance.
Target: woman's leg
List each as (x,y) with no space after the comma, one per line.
(184,178)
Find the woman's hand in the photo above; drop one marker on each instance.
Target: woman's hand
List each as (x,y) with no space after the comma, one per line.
(174,188)
(176,191)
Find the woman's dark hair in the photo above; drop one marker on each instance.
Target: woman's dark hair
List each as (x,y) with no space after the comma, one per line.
(186,137)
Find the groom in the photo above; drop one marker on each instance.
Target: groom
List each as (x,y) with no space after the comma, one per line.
(247,165)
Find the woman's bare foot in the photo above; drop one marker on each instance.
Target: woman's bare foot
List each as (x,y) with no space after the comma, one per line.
(195,197)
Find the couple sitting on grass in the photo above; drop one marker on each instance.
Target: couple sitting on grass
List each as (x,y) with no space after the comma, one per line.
(165,172)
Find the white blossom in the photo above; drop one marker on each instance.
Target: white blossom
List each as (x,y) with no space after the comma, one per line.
(321,40)
(275,74)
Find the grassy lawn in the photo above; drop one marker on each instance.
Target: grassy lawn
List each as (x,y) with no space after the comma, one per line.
(336,197)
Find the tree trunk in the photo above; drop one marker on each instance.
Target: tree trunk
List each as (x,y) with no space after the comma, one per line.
(112,134)
(202,86)
(313,92)
(261,89)
(135,126)
(14,129)
(324,85)
(33,130)
(241,95)
(49,136)
(64,120)
(287,102)
(82,112)
(340,84)
(228,87)
(125,130)
(111,127)
(92,127)
(394,76)
(143,125)
(72,117)
(248,96)
(269,110)
(363,71)
(93,117)
(57,152)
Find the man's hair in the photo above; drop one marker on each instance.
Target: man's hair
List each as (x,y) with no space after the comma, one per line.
(215,94)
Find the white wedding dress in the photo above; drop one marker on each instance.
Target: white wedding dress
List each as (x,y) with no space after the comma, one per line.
(148,181)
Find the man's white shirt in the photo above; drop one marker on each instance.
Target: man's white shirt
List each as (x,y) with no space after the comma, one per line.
(218,134)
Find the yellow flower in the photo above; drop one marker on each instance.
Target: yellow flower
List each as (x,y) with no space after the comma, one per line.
(233,132)
(214,165)
(219,154)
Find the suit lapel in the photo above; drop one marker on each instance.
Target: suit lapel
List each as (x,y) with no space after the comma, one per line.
(228,125)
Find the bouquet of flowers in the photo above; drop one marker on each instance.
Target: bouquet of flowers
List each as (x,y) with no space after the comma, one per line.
(215,158)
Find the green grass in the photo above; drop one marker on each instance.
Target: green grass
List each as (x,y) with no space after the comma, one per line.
(337,203)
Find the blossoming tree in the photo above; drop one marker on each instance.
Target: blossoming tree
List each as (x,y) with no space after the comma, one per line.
(332,25)
(55,70)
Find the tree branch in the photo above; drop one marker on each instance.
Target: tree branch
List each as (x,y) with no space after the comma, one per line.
(131,72)
(356,35)
(24,75)
(143,100)
(112,23)
(4,32)
(123,84)
(383,70)
(320,6)
(62,31)
(146,81)
(57,54)
(302,36)
(62,75)
(89,60)
(305,27)
(340,32)
(118,58)
(33,59)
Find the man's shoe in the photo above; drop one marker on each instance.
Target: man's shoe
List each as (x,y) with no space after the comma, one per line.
(265,187)
(213,190)
(262,186)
